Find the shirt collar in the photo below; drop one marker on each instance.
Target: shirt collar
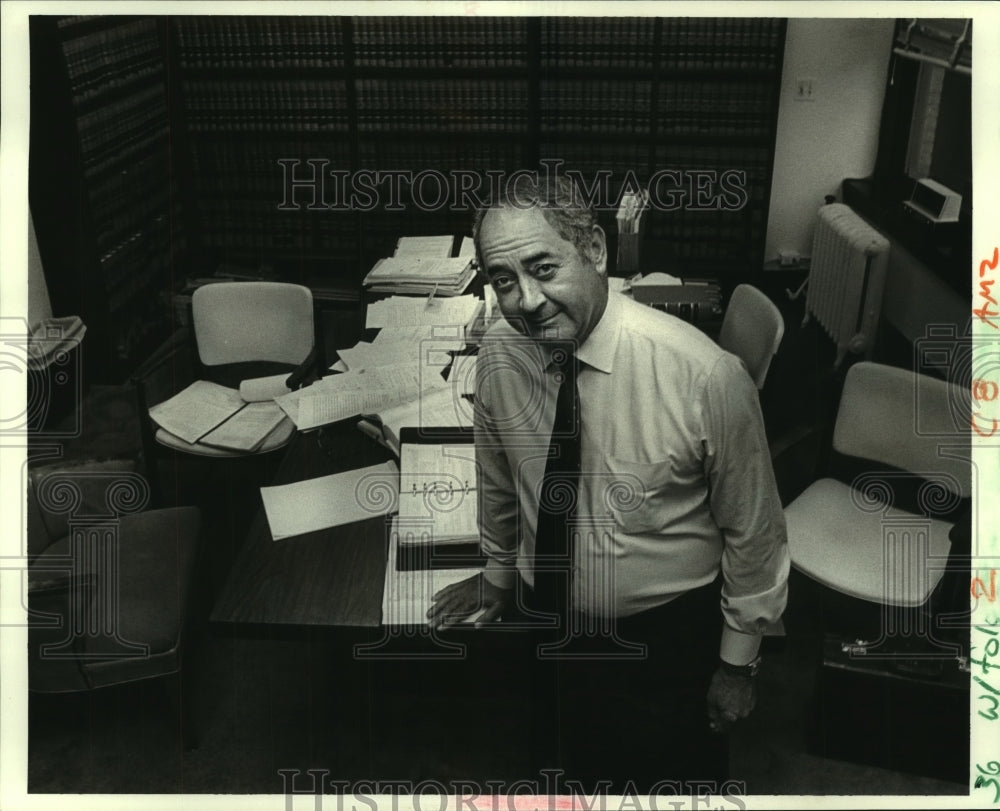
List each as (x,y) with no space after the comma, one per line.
(598,351)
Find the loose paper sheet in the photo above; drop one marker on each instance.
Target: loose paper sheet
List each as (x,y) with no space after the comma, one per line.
(331,501)
(247,429)
(196,410)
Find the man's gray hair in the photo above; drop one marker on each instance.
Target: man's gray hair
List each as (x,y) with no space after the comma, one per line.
(560,201)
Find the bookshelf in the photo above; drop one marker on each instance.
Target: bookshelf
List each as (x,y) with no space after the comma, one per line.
(103,190)
(210,105)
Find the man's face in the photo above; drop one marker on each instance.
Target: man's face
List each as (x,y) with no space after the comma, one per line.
(545,287)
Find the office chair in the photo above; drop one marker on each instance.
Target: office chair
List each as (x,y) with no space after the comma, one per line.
(752,330)
(108,582)
(242,330)
(877,529)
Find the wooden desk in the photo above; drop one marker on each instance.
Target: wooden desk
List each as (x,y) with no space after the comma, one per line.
(331,578)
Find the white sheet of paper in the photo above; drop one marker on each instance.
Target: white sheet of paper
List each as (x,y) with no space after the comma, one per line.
(247,429)
(196,410)
(467,249)
(440,408)
(355,358)
(403,311)
(445,336)
(331,501)
(420,347)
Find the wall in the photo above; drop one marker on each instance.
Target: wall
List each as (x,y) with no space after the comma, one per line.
(821,142)
(39,306)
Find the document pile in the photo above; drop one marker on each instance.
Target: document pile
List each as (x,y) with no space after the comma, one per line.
(351,394)
(432,350)
(408,311)
(422,266)
(426,344)
(206,413)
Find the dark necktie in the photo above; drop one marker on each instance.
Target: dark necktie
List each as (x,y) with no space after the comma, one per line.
(558,494)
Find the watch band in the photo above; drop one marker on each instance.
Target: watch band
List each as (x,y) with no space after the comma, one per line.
(747,671)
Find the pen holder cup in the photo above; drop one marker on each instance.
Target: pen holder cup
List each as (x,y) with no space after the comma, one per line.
(628,254)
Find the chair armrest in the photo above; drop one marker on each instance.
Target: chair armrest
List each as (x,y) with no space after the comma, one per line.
(304,370)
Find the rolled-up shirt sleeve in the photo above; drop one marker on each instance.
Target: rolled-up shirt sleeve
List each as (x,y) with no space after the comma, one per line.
(747,509)
(498,506)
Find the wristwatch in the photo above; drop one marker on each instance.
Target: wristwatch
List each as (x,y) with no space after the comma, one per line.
(747,671)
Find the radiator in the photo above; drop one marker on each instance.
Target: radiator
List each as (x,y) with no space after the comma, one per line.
(846,278)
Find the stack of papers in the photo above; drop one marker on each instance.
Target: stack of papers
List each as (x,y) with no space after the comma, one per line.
(421,275)
(436,247)
(353,393)
(422,266)
(209,414)
(429,345)
(440,408)
(407,311)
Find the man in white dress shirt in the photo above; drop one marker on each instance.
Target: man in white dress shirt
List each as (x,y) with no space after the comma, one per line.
(678,532)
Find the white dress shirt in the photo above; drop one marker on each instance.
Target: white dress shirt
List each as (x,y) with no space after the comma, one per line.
(677,478)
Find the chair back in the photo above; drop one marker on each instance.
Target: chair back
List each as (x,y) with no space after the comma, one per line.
(752,330)
(238,322)
(907,420)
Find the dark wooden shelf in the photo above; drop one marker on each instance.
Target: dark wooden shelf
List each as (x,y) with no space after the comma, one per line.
(469,72)
(273,72)
(660,139)
(653,73)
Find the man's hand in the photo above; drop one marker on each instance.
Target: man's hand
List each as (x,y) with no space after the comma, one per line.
(730,698)
(455,602)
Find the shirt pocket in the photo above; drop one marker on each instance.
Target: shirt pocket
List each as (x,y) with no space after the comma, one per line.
(636,494)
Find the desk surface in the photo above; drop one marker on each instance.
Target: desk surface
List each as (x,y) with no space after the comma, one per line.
(330,578)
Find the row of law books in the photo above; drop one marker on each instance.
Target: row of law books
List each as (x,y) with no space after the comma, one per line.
(275,106)
(733,43)
(110,128)
(440,42)
(685,43)
(111,57)
(212,157)
(598,42)
(442,104)
(259,42)
(424,265)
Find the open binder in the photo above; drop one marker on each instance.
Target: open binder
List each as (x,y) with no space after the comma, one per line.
(438,521)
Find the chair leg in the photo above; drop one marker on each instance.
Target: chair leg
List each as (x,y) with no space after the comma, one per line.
(182,708)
